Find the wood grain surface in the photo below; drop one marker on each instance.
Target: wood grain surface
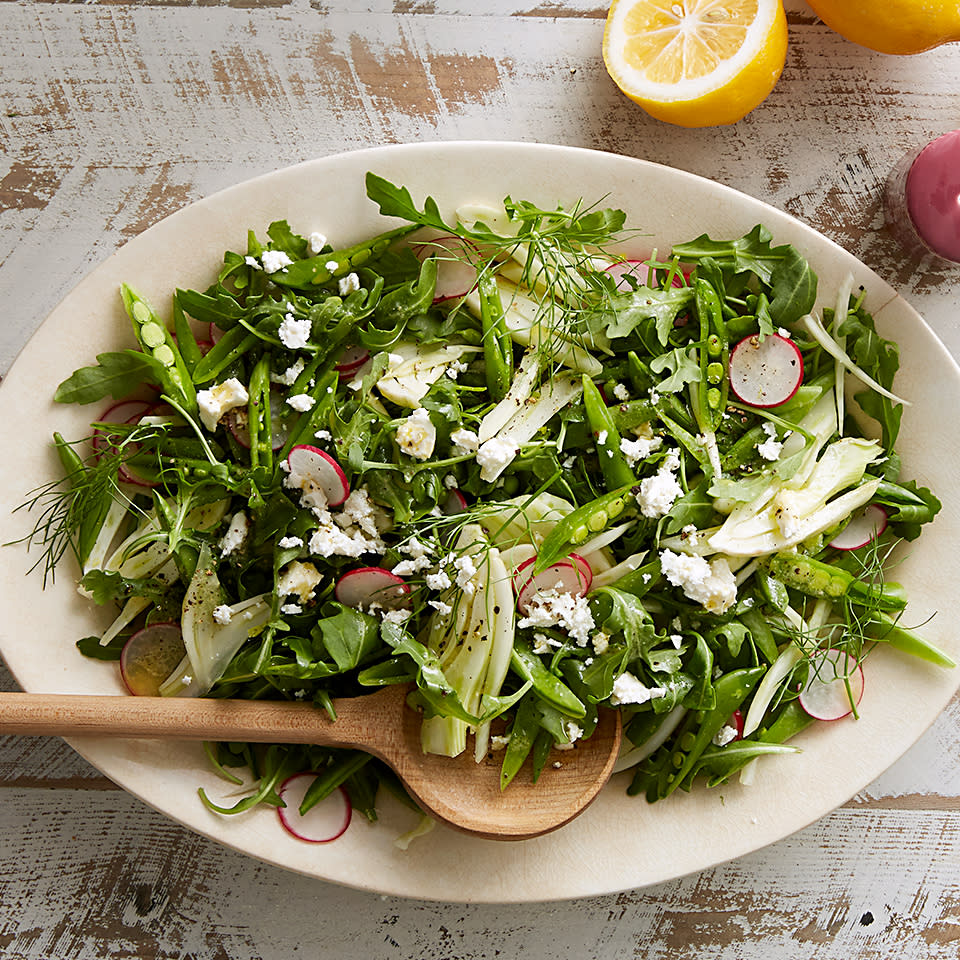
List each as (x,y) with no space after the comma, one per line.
(114,114)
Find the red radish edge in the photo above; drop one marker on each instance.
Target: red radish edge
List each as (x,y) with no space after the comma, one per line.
(352,359)
(863,527)
(279,432)
(314,464)
(765,373)
(736,721)
(455,503)
(125,411)
(149,657)
(322,823)
(365,586)
(574,576)
(825,696)
(455,278)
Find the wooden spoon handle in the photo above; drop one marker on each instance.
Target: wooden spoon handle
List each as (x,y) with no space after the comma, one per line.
(360,720)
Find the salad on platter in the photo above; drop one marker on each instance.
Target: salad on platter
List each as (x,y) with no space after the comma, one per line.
(502,462)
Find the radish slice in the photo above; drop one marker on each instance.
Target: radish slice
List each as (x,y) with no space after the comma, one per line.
(586,570)
(455,503)
(637,269)
(149,657)
(767,373)
(324,821)
(368,586)
(567,576)
(866,525)
(205,346)
(129,412)
(311,468)
(456,273)
(352,359)
(736,721)
(237,422)
(825,695)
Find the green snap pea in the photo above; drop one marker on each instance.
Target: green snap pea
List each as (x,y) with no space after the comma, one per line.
(497,344)
(226,351)
(884,629)
(713,354)
(576,527)
(632,414)
(186,341)
(258,415)
(700,729)
(613,463)
(522,736)
(554,691)
(814,578)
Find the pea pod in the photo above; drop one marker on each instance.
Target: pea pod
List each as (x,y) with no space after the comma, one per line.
(258,415)
(226,351)
(714,355)
(497,344)
(577,527)
(324,267)
(700,729)
(814,578)
(91,519)
(613,463)
(554,691)
(884,629)
(157,341)
(522,737)
(632,414)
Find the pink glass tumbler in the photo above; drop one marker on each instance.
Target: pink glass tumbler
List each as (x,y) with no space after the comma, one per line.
(923,198)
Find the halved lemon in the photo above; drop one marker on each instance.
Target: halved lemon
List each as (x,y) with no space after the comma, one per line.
(696,63)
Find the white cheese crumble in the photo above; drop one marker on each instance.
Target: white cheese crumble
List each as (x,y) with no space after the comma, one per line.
(466,440)
(301,402)
(658,493)
(291,608)
(726,734)
(298,578)
(628,689)
(235,535)
(639,449)
(289,376)
(621,393)
(274,260)
(252,262)
(709,583)
(438,581)
(417,435)
(323,435)
(444,609)
(601,641)
(498,742)
(771,447)
(316,242)
(348,284)
(285,543)
(294,331)
(494,455)
(556,608)
(331,265)
(406,568)
(221,399)
(222,614)
(466,571)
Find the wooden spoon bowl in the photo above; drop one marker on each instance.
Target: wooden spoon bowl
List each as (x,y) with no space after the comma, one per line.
(461,793)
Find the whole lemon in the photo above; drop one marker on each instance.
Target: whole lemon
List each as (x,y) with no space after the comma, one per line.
(892,26)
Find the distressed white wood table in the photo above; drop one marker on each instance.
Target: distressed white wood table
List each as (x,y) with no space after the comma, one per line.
(114,114)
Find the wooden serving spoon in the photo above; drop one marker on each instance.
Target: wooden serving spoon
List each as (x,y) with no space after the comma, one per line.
(459,792)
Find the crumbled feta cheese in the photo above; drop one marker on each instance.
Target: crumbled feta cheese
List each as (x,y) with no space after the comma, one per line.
(455,368)
(621,393)
(466,440)
(294,331)
(252,262)
(349,284)
(235,535)
(784,332)
(186,679)
(691,534)
(602,437)
(724,735)
(291,608)
(499,743)
(289,376)
(444,609)
(466,571)
(396,616)
(601,641)
(406,568)
(569,463)
(494,456)
(222,614)
(417,435)
(299,578)
(676,639)
(274,260)
(285,543)
(628,689)
(323,435)
(331,265)
(771,447)
(709,583)
(658,493)
(438,581)
(555,608)
(542,643)
(301,402)
(573,730)
(316,242)
(221,399)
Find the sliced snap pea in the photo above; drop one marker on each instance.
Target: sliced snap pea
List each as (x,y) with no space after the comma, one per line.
(553,690)
(613,462)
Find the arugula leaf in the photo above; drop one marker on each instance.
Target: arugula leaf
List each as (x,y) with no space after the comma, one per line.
(93,648)
(283,238)
(396,202)
(751,252)
(117,374)
(910,505)
(349,636)
(793,285)
(683,368)
(106,587)
(622,313)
